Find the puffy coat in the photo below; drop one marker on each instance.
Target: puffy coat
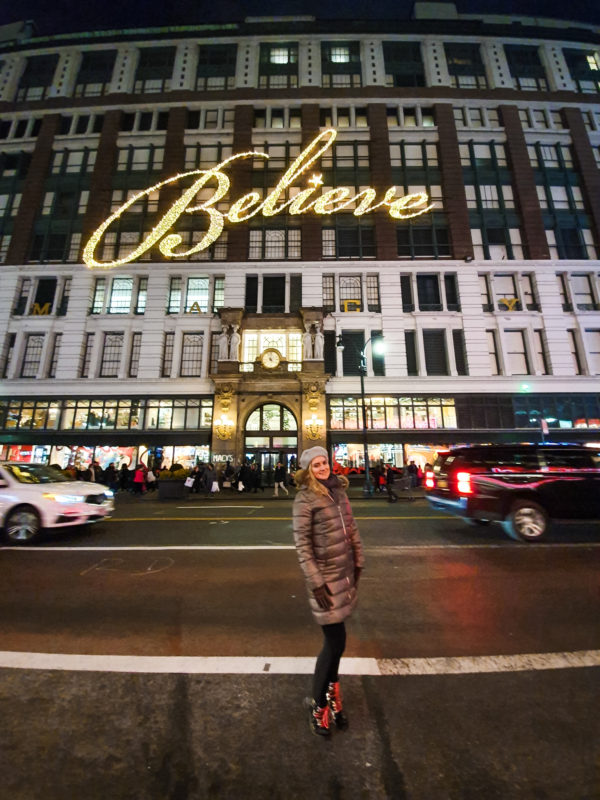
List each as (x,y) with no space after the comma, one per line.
(329,548)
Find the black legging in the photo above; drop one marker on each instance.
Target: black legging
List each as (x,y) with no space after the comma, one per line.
(328,660)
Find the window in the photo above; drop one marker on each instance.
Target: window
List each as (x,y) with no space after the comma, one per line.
(167,355)
(343,241)
(493,351)
(540,352)
(434,348)
(428,292)
(275,244)
(516,353)
(526,67)
(408,305)
(354,344)
(197,295)
(38,77)
(584,70)
(218,294)
(120,296)
(154,69)
(451,291)
(465,65)
(460,354)
(191,355)
(134,354)
(142,296)
(216,67)
(593,350)
(273,294)
(411,353)
(22,298)
(340,64)
(506,293)
(98,296)
(55,355)
(582,292)
(86,359)
(423,242)
(278,67)
(373,300)
(174,301)
(63,304)
(350,293)
(95,73)
(574,347)
(32,356)
(328,284)
(403,64)
(111,355)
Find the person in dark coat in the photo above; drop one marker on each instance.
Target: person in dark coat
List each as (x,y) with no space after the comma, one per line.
(245,476)
(280,473)
(331,556)
(389,484)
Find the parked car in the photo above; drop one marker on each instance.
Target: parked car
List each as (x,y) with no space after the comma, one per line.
(524,487)
(35,496)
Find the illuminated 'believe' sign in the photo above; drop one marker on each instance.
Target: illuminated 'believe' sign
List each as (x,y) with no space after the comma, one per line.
(248,206)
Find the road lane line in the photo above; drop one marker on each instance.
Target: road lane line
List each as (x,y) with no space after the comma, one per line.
(216,665)
(246,518)
(369,548)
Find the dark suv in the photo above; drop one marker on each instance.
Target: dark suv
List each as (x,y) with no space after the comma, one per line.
(524,487)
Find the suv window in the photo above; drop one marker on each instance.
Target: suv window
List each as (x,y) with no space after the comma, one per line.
(493,459)
(570,459)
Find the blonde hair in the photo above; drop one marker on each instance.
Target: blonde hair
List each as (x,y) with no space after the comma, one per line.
(305,478)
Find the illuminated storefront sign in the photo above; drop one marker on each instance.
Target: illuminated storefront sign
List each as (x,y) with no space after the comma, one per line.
(252,204)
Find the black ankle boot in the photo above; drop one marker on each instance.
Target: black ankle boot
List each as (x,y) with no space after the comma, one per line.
(334,701)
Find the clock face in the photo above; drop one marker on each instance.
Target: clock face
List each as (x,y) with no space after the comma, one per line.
(270,358)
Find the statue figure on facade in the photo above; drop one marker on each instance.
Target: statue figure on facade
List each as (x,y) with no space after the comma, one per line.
(307,345)
(319,344)
(223,343)
(234,344)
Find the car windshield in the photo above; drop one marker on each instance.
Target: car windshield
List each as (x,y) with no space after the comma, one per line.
(35,473)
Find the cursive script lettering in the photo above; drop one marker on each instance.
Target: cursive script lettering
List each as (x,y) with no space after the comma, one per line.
(332,201)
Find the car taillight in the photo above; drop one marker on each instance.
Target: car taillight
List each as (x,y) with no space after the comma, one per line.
(463,483)
(429,480)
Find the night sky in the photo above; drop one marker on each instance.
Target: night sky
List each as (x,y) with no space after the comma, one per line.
(65,16)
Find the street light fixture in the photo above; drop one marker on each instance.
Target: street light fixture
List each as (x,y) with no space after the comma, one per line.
(378,347)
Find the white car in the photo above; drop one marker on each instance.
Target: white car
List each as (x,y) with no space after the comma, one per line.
(34,497)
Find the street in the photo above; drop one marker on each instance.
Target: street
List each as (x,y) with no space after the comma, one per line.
(165,654)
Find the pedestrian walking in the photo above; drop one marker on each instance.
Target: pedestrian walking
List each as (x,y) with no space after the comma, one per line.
(389,484)
(331,556)
(280,473)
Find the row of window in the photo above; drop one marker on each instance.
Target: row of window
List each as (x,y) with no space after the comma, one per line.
(414,241)
(118,414)
(429,292)
(278,68)
(464,412)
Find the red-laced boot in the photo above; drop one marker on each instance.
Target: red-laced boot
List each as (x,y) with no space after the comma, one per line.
(334,700)
(318,718)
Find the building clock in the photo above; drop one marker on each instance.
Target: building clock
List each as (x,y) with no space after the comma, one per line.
(270,358)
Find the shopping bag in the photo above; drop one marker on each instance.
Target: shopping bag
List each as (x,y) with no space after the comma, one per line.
(227,484)
(240,486)
(189,482)
(215,486)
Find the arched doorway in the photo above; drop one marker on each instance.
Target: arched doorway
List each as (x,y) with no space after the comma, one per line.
(270,435)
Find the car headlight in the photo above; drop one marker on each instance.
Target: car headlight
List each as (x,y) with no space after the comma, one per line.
(64,498)
(109,493)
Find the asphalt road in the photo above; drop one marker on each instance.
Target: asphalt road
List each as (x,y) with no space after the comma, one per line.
(165,654)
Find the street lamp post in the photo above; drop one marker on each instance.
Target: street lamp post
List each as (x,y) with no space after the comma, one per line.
(362,369)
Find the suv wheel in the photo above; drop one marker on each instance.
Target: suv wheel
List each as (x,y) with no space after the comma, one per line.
(526,522)
(22,524)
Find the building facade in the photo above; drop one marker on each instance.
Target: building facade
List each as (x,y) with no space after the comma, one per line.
(174,288)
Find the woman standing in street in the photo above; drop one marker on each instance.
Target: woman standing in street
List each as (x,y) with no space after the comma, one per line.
(330,554)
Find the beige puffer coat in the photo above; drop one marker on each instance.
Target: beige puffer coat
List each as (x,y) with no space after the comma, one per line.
(329,548)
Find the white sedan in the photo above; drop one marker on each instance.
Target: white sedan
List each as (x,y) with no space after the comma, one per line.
(34,497)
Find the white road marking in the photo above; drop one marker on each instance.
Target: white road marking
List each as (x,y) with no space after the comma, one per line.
(369,549)
(216,665)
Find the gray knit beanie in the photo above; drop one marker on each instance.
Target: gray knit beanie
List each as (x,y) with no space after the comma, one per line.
(312,452)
